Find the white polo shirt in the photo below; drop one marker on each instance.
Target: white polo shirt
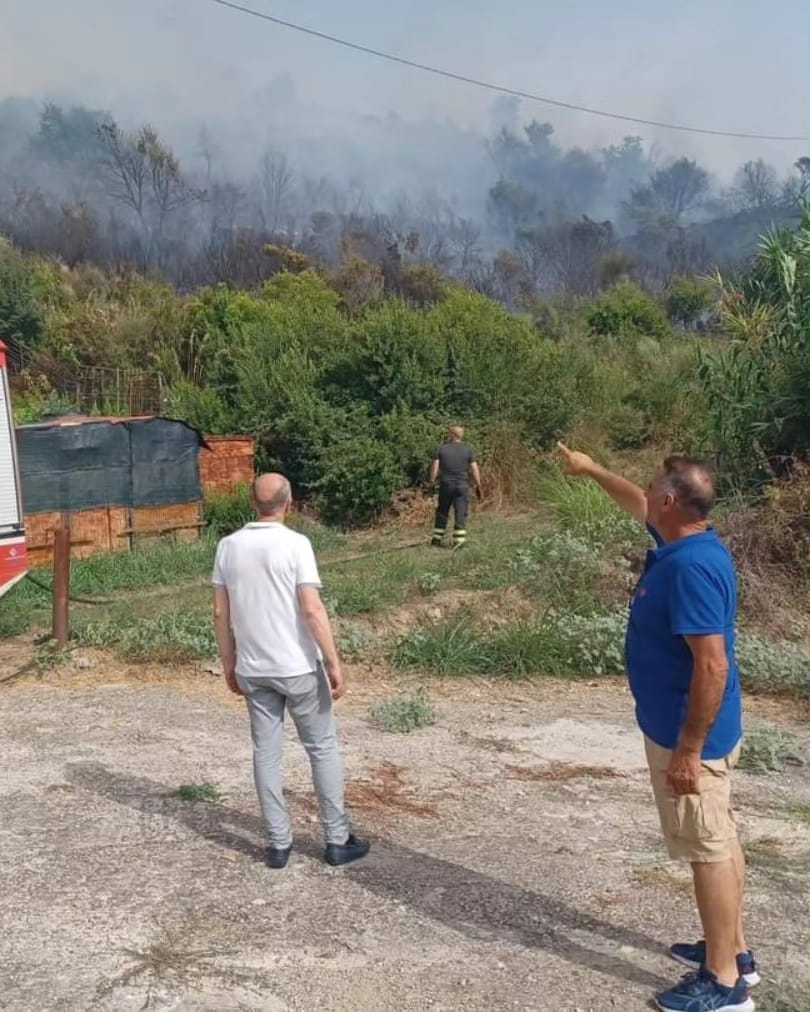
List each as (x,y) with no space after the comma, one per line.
(262,566)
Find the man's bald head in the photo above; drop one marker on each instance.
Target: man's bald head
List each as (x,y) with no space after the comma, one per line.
(457,433)
(691,482)
(271,494)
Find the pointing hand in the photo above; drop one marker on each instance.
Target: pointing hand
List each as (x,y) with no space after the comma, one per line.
(575,463)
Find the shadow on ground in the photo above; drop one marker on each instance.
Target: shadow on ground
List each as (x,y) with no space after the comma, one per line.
(465,900)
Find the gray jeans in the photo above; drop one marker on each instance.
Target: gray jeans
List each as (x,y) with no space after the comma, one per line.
(309,701)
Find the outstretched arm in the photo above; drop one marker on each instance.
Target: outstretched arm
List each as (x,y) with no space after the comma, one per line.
(629,496)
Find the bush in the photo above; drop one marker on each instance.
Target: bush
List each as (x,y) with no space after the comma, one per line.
(206,793)
(353,640)
(687,299)
(226,513)
(773,667)
(402,716)
(429,582)
(560,567)
(359,477)
(627,426)
(626,313)
(769,750)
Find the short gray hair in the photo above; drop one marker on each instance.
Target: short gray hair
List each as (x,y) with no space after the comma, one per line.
(692,482)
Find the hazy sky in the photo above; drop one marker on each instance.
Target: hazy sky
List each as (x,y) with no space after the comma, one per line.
(728,64)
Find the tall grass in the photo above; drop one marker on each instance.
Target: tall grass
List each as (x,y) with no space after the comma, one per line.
(581,508)
(562,645)
(158,565)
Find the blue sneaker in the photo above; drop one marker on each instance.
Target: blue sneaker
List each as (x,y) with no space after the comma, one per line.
(702,992)
(694,956)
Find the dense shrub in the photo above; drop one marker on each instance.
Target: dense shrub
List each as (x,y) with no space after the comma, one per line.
(359,476)
(350,401)
(687,299)
(626,313)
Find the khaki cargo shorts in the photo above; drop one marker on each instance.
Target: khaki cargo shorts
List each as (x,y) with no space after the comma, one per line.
(697,827)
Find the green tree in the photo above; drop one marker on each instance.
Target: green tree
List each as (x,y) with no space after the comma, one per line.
(22,312)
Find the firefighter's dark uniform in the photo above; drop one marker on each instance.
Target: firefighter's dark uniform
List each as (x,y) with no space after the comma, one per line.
(454,491)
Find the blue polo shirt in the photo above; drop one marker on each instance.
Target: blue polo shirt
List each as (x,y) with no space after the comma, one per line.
(688,589)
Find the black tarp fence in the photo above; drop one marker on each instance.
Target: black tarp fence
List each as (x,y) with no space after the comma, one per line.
(96,463)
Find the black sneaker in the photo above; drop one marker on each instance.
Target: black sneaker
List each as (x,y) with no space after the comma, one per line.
(352,850)
(277,857)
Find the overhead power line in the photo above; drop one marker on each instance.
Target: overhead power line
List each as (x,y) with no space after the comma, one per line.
(488,86)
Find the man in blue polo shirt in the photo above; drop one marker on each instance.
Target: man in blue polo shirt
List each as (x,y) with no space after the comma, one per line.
(684,679)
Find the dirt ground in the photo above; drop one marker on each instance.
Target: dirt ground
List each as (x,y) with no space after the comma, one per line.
(516,861)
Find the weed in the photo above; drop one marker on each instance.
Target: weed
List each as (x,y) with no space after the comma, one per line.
(169,637)
(773,667)
(353,639)
(429,582)
(770,749)
(49,656)
(206,792)
(454,649)
(800,812)
(403,715)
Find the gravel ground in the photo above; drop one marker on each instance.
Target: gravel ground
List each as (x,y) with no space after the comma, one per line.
(516,861)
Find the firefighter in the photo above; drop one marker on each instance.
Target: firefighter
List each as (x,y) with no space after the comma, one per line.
(453,467)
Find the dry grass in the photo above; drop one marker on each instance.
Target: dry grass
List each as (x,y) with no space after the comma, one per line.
(499,745)
(413,508)
(662,878)
(771,545)
(764,852)
(387,791)
(559,772)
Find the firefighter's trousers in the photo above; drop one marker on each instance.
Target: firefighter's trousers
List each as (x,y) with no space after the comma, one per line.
(455,497)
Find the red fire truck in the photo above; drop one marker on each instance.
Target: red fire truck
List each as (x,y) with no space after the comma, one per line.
(13,564)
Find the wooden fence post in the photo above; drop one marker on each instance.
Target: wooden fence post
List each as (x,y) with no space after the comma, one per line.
(61,583)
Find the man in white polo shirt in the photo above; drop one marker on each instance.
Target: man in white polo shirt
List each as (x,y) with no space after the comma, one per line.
(278,652)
